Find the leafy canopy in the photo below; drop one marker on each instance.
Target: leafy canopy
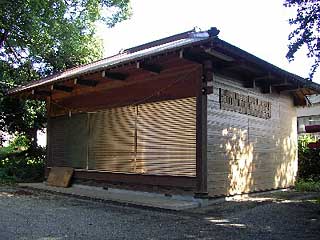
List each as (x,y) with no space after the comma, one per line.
(41,37)
(307,30)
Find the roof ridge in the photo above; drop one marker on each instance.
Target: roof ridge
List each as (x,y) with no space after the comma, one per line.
(161,41)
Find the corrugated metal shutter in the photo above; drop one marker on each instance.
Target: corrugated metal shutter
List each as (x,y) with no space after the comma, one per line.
(112,140)
(166,138)
(68,141)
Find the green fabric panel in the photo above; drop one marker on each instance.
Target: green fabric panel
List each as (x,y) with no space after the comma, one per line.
(69,141)
(76,140)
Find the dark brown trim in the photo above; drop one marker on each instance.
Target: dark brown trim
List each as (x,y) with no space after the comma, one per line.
(62,88)
(155,180)
(48,132)
(114,75)
(153,68)
(201,133)
(85,82)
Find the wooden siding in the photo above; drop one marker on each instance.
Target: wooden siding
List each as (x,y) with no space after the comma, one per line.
(247,153)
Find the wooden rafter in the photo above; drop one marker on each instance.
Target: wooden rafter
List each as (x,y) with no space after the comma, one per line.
(153,68)
(114,75)
(86,82)
(61,88)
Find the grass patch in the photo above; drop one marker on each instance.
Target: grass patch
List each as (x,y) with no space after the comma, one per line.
(308,186)
(7,151)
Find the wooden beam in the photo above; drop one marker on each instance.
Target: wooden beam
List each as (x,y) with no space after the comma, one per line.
(219,55)
(115,75)
(157,180)
(85,82)
(201,132)
(239,66)
(266,89)
(291,89)
(264,78)
(62,88)
(191,57)
(283,83)
(153,68)
(250,84)
(42,93)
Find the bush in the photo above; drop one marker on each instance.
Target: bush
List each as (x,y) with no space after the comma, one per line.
(308,185)
(18,162)
(308,160)
(5,179)
(20,142)
(24,166)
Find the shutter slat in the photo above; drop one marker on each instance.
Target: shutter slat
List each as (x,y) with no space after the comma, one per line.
(166,138)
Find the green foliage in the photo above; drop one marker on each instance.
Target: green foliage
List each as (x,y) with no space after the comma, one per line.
(307,30)
(309,159)
(41,37)
(19,163)
(22,166)
(4,151)
(20,142)
(308,186)
(5,179)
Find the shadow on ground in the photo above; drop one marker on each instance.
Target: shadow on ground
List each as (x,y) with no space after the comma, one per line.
(27,214)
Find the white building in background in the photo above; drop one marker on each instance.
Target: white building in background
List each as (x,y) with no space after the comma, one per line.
(309,115)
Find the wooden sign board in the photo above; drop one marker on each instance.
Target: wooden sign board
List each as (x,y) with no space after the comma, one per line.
(232,101)
(60,176)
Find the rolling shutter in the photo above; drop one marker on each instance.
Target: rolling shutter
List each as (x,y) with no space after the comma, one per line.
(166,138)
(112,140)
(154,138)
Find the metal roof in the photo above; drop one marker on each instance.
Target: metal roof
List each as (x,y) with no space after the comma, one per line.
(160,46)
(121,58)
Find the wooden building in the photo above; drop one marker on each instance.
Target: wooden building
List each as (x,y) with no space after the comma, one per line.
(189,112)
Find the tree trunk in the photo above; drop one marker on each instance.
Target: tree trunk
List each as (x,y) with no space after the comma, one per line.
(32,135)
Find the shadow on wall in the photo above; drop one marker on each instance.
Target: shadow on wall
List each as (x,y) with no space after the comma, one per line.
(287,166)
(240,153)
(257,165)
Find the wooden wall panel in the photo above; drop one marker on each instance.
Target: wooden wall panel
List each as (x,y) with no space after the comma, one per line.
(247,153)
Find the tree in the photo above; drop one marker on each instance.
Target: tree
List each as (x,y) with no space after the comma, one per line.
(41,37)
(307,30)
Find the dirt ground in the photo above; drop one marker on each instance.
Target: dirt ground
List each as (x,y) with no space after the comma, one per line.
(30,214)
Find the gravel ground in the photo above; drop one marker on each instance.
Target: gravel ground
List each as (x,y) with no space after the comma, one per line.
(28,214)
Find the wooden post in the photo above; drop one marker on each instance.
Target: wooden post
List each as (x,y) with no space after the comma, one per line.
(48,154)
(201,134)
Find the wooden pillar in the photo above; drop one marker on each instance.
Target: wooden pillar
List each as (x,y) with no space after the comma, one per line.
(48,154)
(201,133)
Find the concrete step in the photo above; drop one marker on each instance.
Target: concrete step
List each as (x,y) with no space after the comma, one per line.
(153,200)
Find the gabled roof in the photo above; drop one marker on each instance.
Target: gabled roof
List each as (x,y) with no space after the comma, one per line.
(177,42)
